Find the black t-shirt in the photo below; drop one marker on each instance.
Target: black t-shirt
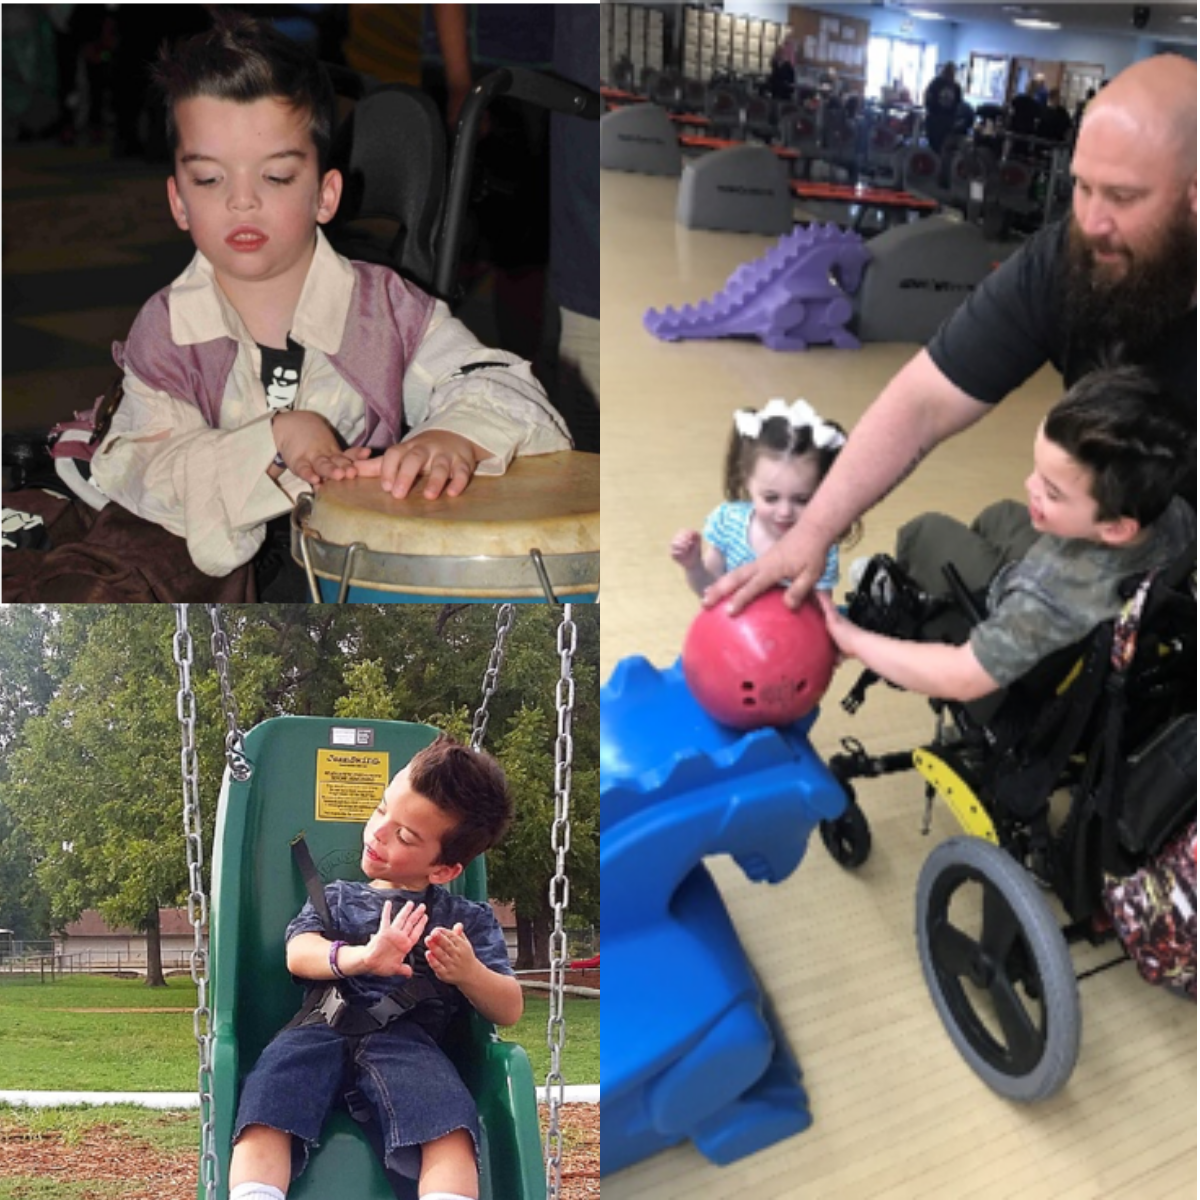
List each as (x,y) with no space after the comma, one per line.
(1011,325)
(1023,114)
(942,99)
(1055,124)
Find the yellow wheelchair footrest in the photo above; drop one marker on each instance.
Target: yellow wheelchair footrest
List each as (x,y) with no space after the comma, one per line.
(946,779)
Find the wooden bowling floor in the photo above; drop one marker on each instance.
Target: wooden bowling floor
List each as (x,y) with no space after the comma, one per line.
(896,1111)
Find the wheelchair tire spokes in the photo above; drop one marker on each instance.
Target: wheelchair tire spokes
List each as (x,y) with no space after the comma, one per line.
(988,975)
(998,969)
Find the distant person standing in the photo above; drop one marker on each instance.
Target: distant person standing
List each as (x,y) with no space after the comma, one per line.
(781,84)
(464,43)
(1024,113)
(942,99)
(1055,122)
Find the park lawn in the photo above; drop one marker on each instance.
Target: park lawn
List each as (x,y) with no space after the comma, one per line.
(167,1130)
(45,1049)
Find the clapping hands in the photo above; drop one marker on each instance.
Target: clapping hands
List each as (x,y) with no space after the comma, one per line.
(392,943)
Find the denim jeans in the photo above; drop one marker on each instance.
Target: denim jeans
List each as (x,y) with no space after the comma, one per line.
(405,1077)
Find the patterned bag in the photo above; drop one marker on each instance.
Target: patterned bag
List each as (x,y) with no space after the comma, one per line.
(1154,914)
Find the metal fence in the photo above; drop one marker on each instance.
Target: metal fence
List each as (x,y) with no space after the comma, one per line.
(46,966)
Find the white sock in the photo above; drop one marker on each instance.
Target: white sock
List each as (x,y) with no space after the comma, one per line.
(255,1191)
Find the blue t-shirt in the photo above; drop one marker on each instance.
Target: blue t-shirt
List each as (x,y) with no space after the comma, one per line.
(356,908)
(728,529)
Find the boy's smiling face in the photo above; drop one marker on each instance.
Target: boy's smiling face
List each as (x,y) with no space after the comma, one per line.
(1061,500)
(402,841)
(246,186)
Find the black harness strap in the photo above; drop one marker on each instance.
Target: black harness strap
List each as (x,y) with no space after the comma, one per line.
(324,1002)
(312,882)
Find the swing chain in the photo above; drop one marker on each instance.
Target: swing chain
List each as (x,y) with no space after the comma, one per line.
(491,677)
(235,750)
(197,903)
(560,895)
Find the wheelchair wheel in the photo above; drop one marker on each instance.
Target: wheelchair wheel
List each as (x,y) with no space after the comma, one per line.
(998,969)
(848,837)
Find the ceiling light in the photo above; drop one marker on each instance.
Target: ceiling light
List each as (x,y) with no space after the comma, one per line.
(1029,23)
(1187,20)
(925,16)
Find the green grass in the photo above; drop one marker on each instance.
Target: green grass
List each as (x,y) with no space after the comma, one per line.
(27,1188)
(581,1046)
(168,1131)
(46,1050)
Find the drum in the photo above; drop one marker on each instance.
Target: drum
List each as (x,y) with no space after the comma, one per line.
(527,536)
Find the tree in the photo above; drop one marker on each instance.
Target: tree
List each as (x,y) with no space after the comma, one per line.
(96,784)
(29,666)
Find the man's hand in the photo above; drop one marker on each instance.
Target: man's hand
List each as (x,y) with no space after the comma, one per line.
(796,556)
(447,460)
(391,944)
(309,446)
(450,953)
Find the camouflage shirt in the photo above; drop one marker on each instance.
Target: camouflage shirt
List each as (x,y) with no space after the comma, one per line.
(1063,588)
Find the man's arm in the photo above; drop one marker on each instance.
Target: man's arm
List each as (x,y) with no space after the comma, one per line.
(918,409)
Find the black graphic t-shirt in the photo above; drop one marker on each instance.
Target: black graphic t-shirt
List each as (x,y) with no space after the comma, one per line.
(281,373)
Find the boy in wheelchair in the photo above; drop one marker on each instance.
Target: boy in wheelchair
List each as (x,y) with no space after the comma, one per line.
(1036,656)
(1108,462)
(274,364)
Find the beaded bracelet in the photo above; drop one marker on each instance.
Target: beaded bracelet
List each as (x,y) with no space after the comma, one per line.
(338,973)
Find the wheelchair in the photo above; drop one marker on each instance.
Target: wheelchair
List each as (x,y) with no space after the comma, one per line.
(1109,726)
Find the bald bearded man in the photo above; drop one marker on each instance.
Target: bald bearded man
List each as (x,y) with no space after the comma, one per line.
(1114,280)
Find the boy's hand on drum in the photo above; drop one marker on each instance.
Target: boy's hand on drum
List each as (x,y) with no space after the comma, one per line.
(450,953)
(447,460)
(311,449)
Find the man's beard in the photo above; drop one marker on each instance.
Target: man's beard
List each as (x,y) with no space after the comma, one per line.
(1122,319)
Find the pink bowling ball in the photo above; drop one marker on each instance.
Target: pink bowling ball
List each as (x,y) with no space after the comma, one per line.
(766,666)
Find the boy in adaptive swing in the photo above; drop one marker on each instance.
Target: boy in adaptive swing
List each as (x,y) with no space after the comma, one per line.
(406,955)
(273,364)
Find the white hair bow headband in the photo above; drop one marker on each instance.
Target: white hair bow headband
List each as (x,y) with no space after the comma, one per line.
(798,415)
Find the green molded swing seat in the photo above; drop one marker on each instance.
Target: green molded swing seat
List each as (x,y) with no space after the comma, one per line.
(300,762)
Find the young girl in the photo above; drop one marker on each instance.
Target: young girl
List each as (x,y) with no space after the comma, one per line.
(776,460)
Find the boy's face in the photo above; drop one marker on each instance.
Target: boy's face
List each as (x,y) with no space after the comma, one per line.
(1060,497)
(246,186)
(402,840)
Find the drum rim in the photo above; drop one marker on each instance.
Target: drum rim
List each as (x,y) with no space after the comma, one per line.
(489,576)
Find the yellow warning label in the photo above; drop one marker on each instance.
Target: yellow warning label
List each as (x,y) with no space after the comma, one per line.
(350,783)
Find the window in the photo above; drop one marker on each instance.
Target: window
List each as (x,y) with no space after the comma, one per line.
(890,59)
(987,78)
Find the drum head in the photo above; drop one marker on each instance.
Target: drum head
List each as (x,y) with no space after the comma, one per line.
(478,543)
